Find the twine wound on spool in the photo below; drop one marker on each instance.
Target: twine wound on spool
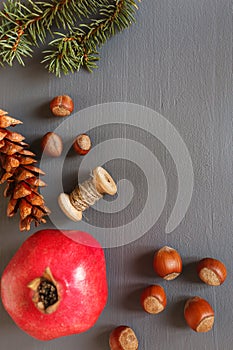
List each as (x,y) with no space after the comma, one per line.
(86,194)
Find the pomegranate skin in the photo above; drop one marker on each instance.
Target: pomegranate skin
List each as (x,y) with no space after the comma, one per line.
(77,263)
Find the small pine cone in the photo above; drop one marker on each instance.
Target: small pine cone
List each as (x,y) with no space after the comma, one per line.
(22,180)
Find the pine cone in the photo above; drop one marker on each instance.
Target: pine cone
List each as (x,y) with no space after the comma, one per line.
(22,177)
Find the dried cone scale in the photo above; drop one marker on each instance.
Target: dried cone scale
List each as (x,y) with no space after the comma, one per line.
(21,176)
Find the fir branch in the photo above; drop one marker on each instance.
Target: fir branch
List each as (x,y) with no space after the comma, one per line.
(24,25)
(80,47)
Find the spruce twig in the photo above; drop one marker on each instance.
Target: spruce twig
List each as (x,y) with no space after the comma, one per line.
(25,25)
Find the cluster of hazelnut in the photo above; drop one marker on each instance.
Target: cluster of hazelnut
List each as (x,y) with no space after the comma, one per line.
(167,262)
(51,143)
(198,313)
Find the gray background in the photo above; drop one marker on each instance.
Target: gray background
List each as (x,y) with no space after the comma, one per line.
(177,60)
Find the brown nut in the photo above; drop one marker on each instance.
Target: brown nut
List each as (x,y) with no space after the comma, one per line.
(51,144)
(167,263)
(153,299)
(82,144)
(199,314)
(62,106)
(212,271)
(123,338)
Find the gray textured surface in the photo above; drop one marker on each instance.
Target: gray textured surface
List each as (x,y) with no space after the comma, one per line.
(177,60)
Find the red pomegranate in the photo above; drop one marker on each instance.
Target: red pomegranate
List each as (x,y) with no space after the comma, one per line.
(55,285)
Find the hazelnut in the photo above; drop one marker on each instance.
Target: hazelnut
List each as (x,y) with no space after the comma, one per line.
(51,144)
(167,263)
(82,144)
(212,271)
(153,299)
(123,338)
(62,106)
(199,314)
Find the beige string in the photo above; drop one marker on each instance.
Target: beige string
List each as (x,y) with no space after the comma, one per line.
(85,195)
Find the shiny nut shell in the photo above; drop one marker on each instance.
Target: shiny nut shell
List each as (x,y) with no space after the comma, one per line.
(199,314)
(82,144)
(212,271)
(123,338)
(62,106)
(167,263)
(153,299)
(52,145)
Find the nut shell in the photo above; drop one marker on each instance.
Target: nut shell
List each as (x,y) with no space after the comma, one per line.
(212,271)
(153,299)
(62,106)
(199,314)
(123,338)
(51,144)
(167,263)
(82,144)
